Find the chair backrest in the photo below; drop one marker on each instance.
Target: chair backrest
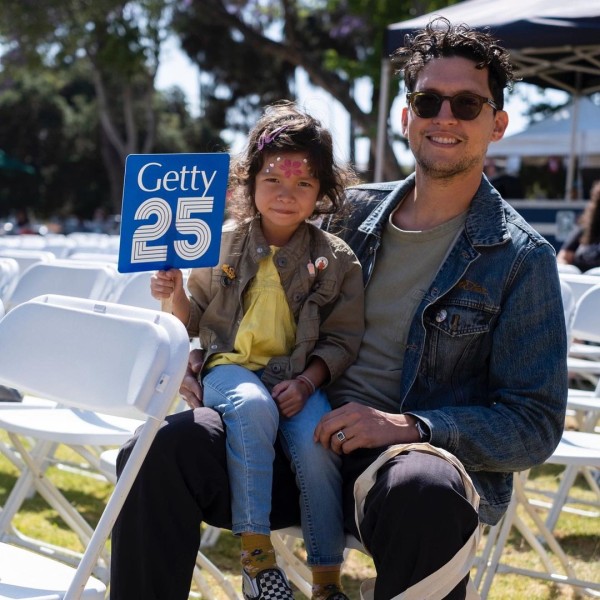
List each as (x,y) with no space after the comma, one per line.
(99,356)
(585,324)
(566,268)
(9,273)
(26,257)
(65,277)
(59,244)
(568,300)
(579,282)
(103,257)
(135,291)
(593,271)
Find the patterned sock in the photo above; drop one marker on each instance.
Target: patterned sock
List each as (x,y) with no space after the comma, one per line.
(326,583)
(257,553)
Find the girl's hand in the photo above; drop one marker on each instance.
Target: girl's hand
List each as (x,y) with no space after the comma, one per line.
(291,396)
(163,284)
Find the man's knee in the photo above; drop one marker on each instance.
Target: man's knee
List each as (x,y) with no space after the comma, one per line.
(419,487)
(187,432)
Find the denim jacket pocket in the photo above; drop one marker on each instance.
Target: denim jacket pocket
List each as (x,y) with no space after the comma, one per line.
(457,340)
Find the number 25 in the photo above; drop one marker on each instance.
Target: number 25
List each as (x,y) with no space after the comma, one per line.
(140,250)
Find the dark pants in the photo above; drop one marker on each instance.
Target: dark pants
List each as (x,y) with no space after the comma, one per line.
(416,516)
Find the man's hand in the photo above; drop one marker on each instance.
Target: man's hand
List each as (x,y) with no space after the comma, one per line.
(363,427)
(190,389)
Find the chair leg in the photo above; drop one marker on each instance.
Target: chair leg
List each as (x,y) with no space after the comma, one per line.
(295,569)
(202,562)
(537,543)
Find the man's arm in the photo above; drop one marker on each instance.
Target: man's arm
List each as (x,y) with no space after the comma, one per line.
(520,420)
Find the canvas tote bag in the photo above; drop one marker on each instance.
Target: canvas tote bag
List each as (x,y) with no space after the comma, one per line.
(444,580)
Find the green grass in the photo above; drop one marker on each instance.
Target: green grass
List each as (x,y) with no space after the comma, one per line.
(578,535)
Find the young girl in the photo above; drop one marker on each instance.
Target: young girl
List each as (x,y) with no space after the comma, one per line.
(280,317)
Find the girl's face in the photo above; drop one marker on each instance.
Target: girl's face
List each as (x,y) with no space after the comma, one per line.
(285,194)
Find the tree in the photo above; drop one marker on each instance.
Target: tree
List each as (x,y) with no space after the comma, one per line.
(119,42)
(50,121)
(252,47)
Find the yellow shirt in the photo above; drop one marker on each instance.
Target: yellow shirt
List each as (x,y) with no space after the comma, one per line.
(268,327)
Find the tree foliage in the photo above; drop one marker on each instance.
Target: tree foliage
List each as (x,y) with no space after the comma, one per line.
(94,63)
(119,43)
(251,49)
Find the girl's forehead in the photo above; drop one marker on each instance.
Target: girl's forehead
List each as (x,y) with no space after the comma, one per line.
(288,164)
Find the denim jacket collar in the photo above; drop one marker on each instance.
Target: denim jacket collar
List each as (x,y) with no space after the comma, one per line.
(485,224)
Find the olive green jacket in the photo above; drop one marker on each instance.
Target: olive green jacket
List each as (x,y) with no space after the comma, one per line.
(328,303)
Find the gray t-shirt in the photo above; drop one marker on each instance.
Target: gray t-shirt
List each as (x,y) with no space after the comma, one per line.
(406,264)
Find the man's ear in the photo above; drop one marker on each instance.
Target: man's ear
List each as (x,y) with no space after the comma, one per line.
(404,121)
(500,125)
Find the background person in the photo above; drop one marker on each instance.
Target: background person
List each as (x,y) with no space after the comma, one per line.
(582,247)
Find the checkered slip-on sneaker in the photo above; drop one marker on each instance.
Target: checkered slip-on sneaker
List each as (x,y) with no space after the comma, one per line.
(270,584)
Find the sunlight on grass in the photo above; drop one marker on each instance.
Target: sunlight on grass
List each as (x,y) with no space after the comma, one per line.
(578,535)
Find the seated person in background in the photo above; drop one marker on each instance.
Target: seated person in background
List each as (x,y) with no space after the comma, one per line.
(582,247)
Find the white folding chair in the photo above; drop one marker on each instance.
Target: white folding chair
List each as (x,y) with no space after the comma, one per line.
(210,535)
(64,277)
(579,282)
(568,300)
(134,289)
(59,244)
(576,449)
(127,366)
(26,257)
(566,268)
(9,273)
(584,346)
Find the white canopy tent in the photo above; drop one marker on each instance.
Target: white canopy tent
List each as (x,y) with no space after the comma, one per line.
(555,135)
(553,43)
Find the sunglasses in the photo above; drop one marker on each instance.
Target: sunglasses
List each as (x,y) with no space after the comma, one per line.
(465,106)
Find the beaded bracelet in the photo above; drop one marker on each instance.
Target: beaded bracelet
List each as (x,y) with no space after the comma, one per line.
(308,382)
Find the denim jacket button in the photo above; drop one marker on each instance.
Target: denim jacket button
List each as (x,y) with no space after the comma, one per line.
(297,297)
(213,346)
(281,261)
(441,316)
(276,369)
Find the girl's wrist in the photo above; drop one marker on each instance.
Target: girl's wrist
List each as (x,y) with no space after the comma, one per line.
(312,388)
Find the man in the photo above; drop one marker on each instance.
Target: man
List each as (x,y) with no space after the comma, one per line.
(465,349)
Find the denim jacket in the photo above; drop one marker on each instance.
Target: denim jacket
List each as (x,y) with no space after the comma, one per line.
(485,360)
(328,303)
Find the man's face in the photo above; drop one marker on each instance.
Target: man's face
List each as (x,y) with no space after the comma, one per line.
(443,145)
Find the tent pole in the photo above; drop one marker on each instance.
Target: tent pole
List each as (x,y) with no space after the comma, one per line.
(384,92)
(573,150)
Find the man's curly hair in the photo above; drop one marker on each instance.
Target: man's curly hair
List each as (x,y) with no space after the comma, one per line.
(442,39)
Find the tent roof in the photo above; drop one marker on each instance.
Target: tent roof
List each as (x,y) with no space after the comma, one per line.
(553,136)
(553,43)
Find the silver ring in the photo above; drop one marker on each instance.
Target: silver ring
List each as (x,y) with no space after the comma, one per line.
(340,435)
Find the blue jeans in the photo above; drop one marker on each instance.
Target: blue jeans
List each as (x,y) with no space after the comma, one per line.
(252,422)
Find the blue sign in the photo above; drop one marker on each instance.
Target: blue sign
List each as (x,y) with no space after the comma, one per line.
(173,208)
